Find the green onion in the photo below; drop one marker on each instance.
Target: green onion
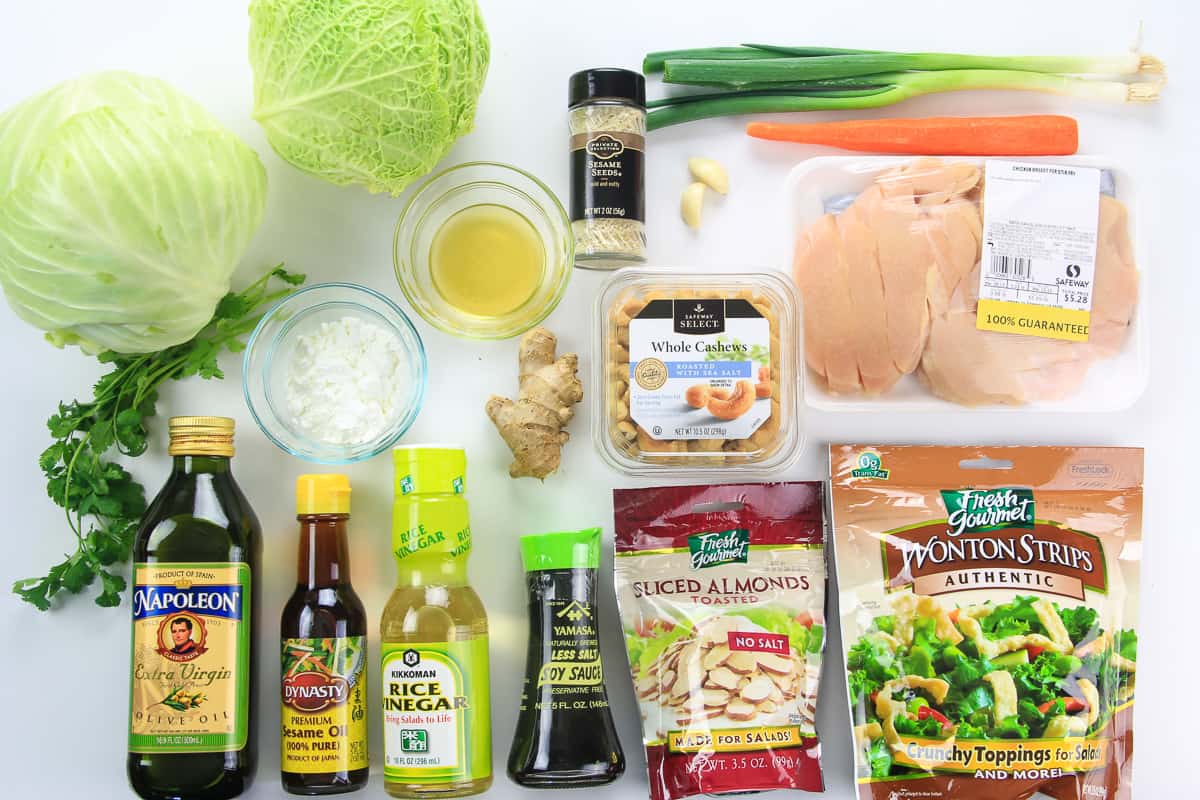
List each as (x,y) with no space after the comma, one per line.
(816,89)
(654,62)
(756,71)
(896,87)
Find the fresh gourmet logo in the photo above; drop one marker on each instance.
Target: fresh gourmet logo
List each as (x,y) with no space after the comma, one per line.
(990,540)
(314,691)
(714,549)
(974,510)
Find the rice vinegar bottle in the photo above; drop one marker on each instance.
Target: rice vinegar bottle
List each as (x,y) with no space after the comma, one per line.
(436,704)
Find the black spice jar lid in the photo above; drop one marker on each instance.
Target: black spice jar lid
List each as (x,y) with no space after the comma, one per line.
(606,83)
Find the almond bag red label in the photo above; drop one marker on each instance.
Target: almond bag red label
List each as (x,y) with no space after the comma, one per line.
(988,604)
(721,591)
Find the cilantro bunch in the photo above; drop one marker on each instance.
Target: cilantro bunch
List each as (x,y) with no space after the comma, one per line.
(102,501)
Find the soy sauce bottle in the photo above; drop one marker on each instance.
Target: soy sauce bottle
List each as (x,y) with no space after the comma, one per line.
(195,603)
(565,735)
(323,639)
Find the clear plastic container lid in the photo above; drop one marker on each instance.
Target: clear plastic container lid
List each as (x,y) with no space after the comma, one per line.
(697,373)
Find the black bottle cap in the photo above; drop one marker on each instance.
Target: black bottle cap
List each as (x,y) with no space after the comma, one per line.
(606,83)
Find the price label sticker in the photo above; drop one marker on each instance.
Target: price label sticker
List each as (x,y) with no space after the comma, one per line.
(1038,265)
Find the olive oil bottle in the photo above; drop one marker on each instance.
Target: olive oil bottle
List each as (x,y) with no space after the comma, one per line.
(195,607)
(436,704)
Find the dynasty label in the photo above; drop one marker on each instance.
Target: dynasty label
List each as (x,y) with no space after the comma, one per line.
(324,720)
(191,645)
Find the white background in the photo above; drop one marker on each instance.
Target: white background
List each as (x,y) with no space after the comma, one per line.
(63,679)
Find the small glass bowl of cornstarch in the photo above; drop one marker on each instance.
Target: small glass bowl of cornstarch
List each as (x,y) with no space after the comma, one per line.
(334,373)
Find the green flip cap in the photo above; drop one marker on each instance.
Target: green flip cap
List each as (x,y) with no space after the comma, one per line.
(561,550)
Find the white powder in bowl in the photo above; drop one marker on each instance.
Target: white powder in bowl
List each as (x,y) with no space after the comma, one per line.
(345,381)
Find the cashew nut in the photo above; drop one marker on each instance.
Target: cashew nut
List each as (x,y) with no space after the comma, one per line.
(697,396)
(711,173)
(741,401)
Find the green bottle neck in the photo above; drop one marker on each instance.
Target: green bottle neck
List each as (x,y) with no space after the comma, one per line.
(431,539)
(200,465)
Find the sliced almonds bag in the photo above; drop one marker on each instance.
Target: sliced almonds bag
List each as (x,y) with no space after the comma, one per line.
(721,591)
(988,603)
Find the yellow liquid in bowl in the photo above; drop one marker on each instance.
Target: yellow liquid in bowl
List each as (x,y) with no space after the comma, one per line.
(487,260)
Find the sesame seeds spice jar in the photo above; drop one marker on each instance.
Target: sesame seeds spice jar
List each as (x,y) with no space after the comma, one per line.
(608,141)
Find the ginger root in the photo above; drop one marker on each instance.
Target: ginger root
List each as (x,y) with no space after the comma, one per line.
(532,426)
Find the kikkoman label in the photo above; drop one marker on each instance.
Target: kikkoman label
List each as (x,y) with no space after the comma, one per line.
(991,540)
(436,719)
(190,666)
(714,549)
(323,696)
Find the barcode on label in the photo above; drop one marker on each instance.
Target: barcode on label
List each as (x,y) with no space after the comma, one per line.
(1011,265)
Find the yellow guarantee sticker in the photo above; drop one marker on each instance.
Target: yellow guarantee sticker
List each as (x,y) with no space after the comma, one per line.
(1032,320)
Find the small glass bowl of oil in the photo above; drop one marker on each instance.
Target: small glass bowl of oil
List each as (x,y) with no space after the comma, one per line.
(483,250)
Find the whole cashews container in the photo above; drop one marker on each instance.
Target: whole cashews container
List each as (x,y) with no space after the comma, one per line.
(698,373)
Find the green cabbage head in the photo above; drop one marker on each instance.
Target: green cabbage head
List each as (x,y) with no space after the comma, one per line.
(124,209)
(366,91)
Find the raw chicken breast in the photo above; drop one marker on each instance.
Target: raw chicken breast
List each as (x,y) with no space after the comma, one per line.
(966,365)
(868,275)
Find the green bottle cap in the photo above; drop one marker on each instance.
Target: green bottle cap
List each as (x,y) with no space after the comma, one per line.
(561,550)
(430,469)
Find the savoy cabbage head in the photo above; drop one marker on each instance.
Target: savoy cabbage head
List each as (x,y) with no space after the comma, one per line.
(366,91)
(124,209)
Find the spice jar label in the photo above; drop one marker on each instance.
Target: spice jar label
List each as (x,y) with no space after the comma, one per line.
(191,649)
(607,167)
(324,719)
(436,724)
(700,369)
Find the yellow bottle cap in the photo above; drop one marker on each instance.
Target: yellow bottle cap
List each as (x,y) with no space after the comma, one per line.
(322,494)
(430,469)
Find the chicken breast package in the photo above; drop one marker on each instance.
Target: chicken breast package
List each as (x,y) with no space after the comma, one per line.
(721,591)
(988,601)
(933,283)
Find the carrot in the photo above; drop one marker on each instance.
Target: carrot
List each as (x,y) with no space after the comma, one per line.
(1038,135)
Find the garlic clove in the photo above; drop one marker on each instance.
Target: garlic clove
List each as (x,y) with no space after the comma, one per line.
(711,173)
(691,203)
